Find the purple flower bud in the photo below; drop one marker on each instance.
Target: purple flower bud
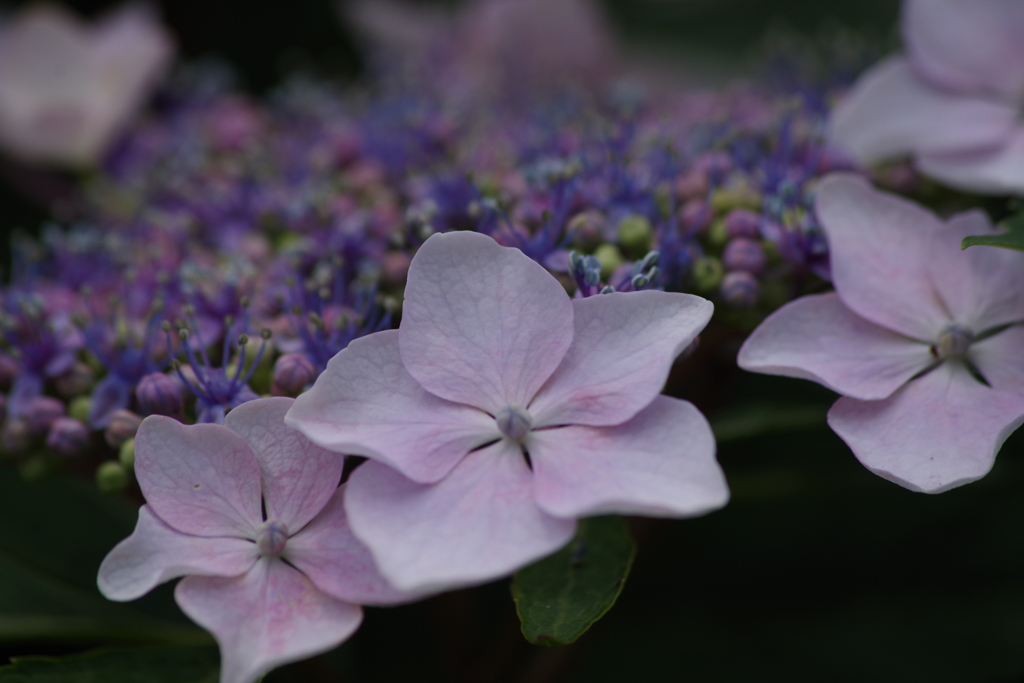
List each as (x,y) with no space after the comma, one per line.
(740,289)
(77,381)
(9,369)
(695,216)
(292,373)
(744,254)
(123,426)
(41,413)
(742,223)
(15,437)
(159,394)
(68,437)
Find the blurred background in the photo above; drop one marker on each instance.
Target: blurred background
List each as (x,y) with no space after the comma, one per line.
(817,571)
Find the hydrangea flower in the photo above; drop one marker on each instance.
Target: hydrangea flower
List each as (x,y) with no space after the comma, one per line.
(67,88)
(502,410)
(272,587)
(921,339)
(952,101)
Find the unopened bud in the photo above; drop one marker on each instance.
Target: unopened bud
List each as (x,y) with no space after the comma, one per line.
(123,426)
(695,216)
(635,234)
(9,369)
(78,380)
(68,437)
(126,454)
(79,408)
(707,273)
(610,258)
(744,254)
(15,437)
(742,223)
(740,289)
(292,373)
(111,477)
(41,413)
(158,394)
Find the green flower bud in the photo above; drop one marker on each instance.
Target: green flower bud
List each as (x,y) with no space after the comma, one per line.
(635,234)
(609,257)
(79,407)
(111,477)
(707,273)
(126,454)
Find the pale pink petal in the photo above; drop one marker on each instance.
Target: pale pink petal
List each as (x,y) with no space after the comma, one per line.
(155,553)
(878,244)
(818,338)
(971,45)
(938,432)
(298,476)
(482,324)
(267,617)
(199,479)
(622,350)
(980,286)
(891,112)
(337,562)
(659,464)
(365,403)
(999,359)
(997,171)
(478,523)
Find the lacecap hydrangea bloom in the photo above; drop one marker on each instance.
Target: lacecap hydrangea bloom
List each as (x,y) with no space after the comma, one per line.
(952,101)
(501,411)
(921,338)
(272,588)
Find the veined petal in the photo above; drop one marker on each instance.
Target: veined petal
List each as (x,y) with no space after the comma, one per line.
(998,358)
(891,112)
(482,324)
(981,286)
(200,479)
(155,553)
(365,403)
(267,617)
(337,562)
(938,432)
(970,45)
(622,350)
(298,476)
(818,338)
(878,244)
(661,463)
(478,523)
(991,171)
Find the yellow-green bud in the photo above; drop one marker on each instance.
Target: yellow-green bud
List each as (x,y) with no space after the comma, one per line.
(126,454)
(610,258)
(111,477)
(717,233)
(79,407)
(723,199)
(707,273)
(635,234)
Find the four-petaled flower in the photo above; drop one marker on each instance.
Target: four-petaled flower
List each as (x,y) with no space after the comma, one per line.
(920,337)
(502,410)
(272,588)
(953,102)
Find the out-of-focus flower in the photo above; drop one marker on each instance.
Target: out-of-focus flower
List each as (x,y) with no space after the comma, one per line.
(272,588)
(922,339)
(952,101)
(67,88)
(509,410)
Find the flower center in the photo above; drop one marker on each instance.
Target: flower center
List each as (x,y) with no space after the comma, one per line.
(514,422)
(954,341)
(271,538)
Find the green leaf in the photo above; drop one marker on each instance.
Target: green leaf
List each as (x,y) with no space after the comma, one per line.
(53,535)
(767,418)
(1013,238)
(561,596)
(141,665)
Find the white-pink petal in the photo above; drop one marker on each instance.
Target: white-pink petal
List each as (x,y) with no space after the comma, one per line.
(891,112)
(981,287)
(337,562)
(155,553)
(365,403)
(1000,358)
(482,324)
(200,479)
(818,338)
(878,245)
(622,350)
(970,45)
(987,171)
(478,523)
(938,432)
(298,476)
(661,463)
(267,617)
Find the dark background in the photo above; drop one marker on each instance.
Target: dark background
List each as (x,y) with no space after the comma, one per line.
(816,571)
